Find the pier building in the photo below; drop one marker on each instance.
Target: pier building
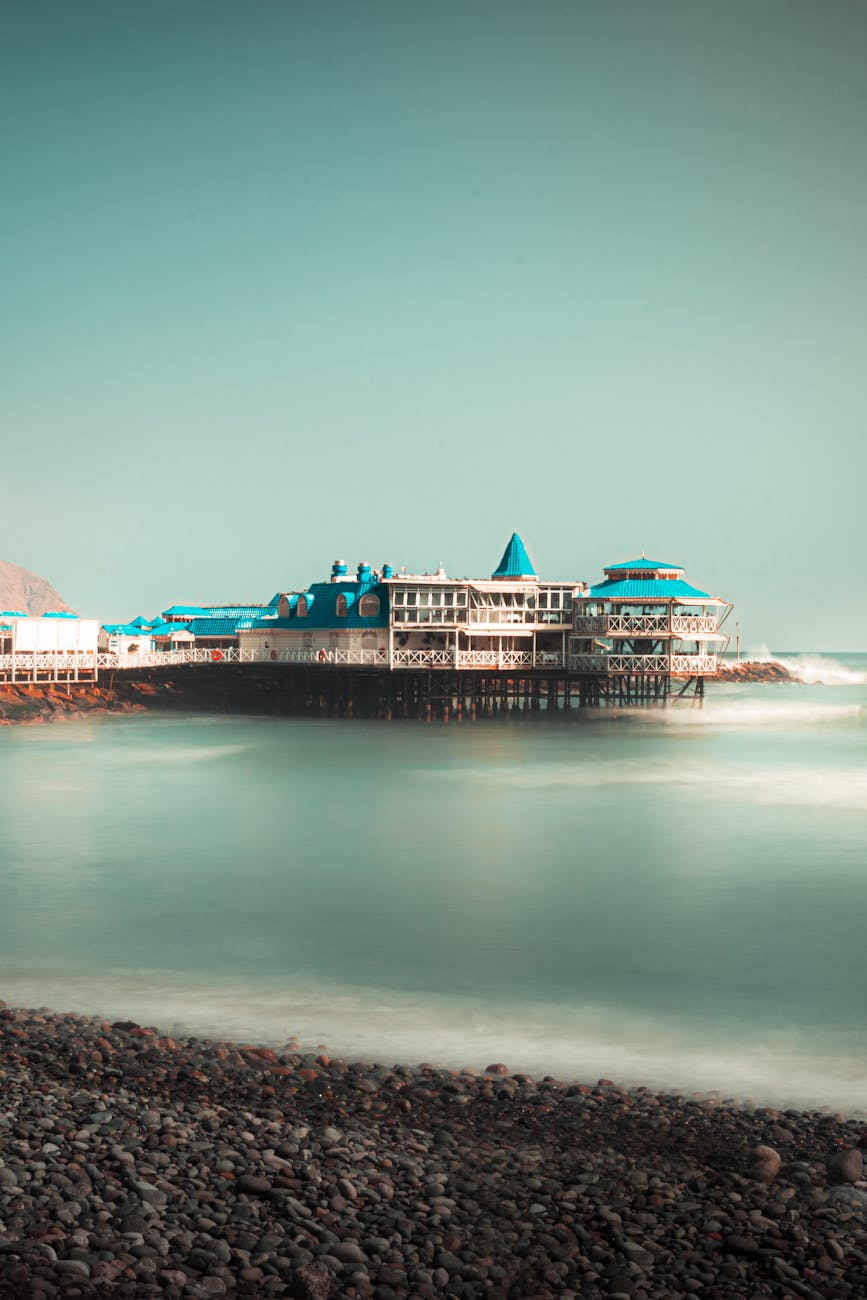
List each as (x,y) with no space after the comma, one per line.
(401,620)
(388,642)
(644,627)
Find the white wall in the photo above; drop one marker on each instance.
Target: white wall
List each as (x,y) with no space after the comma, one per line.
(42,635)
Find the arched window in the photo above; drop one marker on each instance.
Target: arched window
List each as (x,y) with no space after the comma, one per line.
(341,606)
(301,608)
(368,606)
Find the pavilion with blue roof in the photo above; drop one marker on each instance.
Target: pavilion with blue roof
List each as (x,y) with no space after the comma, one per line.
(645,620)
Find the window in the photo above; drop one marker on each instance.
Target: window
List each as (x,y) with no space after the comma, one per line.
(368,606)
(340,608)
(301,608)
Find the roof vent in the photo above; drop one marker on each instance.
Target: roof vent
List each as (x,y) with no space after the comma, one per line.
(338,570)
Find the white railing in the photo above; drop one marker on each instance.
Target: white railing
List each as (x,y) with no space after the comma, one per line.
(643,624)
(591,624)
(690,624)
(172,658)
(423,658)
(692,665)
(232,655)
(65,661)
(495,659)
(323,656)
(640,624)
(676,665)
(621,624)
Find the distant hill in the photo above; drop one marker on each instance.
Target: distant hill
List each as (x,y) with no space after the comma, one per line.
(21,589)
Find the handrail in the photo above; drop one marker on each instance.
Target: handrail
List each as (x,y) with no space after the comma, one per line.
(676,664)
(28,665)
(643,624)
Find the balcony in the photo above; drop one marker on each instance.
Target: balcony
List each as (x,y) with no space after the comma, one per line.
(644,625)
(675,665)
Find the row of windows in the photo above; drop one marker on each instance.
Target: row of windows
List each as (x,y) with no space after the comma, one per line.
(368,607)
(495,617)
(434,599)
(421,599)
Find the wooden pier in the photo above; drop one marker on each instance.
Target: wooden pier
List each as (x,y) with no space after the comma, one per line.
(423,695)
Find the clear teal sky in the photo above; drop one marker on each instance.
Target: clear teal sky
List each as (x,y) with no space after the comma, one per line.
(285,282)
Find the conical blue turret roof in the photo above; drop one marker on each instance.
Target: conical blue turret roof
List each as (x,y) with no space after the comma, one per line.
(515,562)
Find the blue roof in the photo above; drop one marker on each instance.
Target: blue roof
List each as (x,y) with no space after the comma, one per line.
(140,622)
(219,626)
(59,613)
(13,613)
(643,563)
(217,611)
(168,629)
(644,589)
(321,598)
(125,629)
(515,562)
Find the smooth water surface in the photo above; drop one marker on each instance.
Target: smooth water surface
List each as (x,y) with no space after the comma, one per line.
(673,898)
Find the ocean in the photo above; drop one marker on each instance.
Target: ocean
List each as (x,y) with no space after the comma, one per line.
(674,898)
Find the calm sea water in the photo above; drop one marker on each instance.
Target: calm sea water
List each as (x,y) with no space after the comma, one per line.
(673,898)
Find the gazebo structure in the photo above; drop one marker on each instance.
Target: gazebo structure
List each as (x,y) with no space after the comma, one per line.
(647,633)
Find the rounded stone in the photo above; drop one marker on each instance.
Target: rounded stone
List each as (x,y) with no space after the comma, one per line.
(765,1164)
(846,1166)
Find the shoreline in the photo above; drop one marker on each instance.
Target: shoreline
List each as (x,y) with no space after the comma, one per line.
(133,1164)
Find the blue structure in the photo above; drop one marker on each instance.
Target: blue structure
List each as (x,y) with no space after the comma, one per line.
(515,562)
(339,605)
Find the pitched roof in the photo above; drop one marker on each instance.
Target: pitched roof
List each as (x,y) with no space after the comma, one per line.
(515,562)
(168,629)
(218,611)
(644,563)
(127,629)
(645,589)
(219,626)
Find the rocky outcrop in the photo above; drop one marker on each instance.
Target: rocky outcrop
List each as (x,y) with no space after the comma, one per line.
(20,589)
(765,670)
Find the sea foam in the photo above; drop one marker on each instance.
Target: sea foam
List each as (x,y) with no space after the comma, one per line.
(584,1042)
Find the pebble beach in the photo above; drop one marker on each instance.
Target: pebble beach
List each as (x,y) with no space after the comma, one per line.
(134,1164)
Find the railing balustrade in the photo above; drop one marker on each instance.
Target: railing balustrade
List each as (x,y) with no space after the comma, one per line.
(690,665)
(65,665)
(690,624)
(677,665)
(423,658)
(643,625)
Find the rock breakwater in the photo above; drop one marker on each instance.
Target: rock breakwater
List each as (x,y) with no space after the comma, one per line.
(758,671)
(36,703)
(134,1164)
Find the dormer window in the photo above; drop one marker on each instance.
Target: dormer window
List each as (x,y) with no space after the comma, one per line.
(340,608)
(368,606)
(301,608)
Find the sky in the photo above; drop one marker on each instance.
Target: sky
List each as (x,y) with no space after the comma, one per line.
(386,279)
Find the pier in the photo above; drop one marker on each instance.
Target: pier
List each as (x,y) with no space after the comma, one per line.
(386,643)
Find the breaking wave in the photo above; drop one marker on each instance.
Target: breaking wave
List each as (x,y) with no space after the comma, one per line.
(813,670)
